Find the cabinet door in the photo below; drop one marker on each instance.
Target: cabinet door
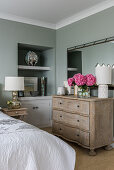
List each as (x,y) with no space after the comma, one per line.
(39,112)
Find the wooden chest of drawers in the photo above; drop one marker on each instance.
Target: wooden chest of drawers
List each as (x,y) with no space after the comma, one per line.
(88,122)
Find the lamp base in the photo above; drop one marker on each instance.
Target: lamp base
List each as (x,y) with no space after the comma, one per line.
(15,103)
(103,91)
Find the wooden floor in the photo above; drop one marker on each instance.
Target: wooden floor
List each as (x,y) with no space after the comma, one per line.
(104,160)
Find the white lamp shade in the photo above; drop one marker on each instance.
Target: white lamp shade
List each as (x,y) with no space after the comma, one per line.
(103,74)
(14,83)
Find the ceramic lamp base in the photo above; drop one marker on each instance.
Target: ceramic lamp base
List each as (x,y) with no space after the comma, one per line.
(103,91)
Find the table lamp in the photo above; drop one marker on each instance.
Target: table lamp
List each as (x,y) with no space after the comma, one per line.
(14,84)
(103,78)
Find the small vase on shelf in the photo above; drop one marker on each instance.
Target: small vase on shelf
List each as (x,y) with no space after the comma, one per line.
(83,92)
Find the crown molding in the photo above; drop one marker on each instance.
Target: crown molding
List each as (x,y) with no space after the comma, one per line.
(27,20)
(81,15)
(85,13)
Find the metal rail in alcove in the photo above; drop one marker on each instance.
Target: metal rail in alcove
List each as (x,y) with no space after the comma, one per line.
(90,44)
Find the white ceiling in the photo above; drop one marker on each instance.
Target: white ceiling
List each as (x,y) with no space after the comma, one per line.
(50,13)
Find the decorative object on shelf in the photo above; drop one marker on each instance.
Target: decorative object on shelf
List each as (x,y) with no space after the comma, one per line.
(14,84)
(68,89)
(83,83)
(75,90)
(32,86)
(61,91)
(31,58)
(43,86)
(103,78)
(9,104)
(21,93)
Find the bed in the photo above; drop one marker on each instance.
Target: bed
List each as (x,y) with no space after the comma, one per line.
(25,147)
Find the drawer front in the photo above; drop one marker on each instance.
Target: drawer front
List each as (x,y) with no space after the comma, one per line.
(58,103)
(67,118)
(84,138)
(84,123)
(16,113)
(67,132)
(76,106)
(71,119)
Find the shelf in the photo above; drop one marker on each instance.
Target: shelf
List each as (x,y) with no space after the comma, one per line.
(22,67)
(72,69)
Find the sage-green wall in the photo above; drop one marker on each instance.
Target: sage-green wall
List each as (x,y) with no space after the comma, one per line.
(12,33)
(95,27)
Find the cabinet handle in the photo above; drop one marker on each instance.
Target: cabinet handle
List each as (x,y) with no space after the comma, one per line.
(60,102)
(77,120)
(35,108)
(60,115)
(78,135)
(60,129)
(78,106)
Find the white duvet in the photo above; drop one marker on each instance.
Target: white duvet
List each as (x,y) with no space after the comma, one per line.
(25,147)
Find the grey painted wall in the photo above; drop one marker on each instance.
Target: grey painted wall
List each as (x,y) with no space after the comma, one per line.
(12,33)
(92,28)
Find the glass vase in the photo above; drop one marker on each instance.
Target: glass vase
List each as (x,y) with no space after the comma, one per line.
(83,92)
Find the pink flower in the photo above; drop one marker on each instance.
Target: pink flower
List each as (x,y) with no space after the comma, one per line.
(76,75)
(70,81)
(80,79)
(91,80)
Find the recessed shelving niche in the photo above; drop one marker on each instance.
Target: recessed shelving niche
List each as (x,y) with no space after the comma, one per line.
(44,68)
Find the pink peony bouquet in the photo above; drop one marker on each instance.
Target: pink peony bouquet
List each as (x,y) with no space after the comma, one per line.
(81,80)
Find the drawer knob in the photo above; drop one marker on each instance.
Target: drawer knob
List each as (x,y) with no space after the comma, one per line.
(60,102)
(60,115)
(16,112)
(60,129)
(77,120)
(78,135)
(78,106)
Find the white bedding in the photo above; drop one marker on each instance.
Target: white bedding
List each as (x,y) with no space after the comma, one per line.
(25,147)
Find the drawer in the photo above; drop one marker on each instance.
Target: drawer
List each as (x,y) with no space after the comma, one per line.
(58,103)
(71,119)
(84,138)
(76,106)
(67,132)
(16,113)
(67,118)
(71,133)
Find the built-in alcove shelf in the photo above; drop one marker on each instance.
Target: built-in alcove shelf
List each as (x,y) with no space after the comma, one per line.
(22,67)
(72,69)
(45,67)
